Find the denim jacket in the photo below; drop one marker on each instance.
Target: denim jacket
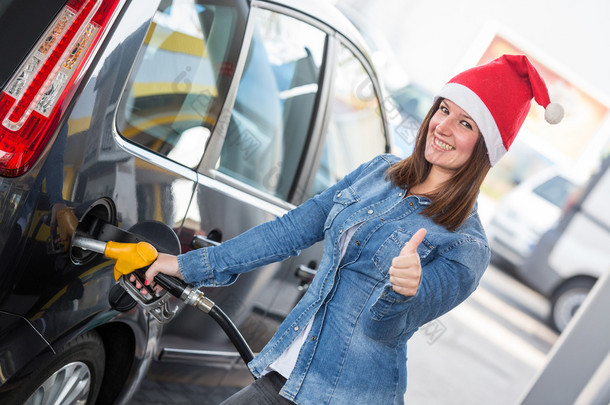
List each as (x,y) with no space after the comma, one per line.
(355,352)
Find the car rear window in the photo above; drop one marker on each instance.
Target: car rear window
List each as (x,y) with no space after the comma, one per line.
(21,25)
(175,94)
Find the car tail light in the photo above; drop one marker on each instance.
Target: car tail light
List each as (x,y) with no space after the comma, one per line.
(32,102)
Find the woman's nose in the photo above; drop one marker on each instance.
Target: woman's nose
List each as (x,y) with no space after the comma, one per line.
(444,126)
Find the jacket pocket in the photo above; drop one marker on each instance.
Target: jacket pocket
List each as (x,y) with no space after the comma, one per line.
(392,247)
(341,200)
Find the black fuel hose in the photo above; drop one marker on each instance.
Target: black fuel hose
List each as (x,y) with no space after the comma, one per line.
(191,296)
(232,332)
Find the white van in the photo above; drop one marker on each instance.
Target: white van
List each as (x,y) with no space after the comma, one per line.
(524,214)
(569,258)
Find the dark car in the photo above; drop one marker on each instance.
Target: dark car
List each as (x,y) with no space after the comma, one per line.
(182,124)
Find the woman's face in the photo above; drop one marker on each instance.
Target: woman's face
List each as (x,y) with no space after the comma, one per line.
(452,135)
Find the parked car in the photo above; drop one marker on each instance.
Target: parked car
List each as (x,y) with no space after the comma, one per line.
(525,213)
(120,119)
(570,257)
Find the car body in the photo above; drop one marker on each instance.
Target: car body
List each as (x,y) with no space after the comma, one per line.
(571,256)
(203,118)
(525,213)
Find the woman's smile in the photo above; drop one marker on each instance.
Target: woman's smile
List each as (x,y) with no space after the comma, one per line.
(442,145)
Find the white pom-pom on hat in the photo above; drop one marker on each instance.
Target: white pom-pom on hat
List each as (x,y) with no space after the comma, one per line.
(553,113)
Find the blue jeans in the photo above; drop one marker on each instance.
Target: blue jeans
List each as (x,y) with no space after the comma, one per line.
(264,391)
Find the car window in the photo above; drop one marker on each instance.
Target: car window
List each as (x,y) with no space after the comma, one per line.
(175,94)
(274,104)
(555,190)
(355,131)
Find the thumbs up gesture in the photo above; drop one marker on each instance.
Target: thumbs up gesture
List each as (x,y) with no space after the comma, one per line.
(405,272)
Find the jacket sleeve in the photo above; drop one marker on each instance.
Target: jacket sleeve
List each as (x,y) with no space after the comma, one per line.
(446,281)
(269,242)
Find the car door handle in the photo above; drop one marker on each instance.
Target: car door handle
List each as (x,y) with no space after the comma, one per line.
(199,242)
(305,273)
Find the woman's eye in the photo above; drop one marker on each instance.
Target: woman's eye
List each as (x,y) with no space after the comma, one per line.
(467,124)
(444,109)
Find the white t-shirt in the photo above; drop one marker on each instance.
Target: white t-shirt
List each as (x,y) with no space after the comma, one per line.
(286,362)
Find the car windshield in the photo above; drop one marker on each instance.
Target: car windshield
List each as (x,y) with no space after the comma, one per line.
(555,190)
(20,29)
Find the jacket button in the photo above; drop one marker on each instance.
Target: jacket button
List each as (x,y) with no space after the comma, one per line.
(357,243)
(410,203)
(313,338)
(370,211)
(296,328)
(339,194)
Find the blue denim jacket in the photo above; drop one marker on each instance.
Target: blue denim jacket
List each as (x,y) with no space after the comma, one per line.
(356,349)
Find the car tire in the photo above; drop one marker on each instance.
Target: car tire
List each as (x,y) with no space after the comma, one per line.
(72,376)
(567,299)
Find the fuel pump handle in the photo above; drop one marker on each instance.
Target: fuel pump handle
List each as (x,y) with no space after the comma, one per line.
(130,256)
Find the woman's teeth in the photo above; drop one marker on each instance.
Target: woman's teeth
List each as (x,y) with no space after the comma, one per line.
(442,145)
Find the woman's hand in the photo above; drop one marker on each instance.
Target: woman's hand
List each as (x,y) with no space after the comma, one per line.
(405,272)
(166,264)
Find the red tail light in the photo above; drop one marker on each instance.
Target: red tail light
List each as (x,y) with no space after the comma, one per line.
(34,99)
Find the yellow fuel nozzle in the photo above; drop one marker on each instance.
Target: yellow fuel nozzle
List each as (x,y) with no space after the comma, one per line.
(130,256)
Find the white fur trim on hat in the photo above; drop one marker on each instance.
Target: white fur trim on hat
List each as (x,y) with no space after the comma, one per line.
(470,102)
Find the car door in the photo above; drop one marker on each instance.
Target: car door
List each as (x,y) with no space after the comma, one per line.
(251,160)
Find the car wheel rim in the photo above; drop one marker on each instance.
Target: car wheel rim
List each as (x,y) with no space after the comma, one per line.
(68,385)
(567,305)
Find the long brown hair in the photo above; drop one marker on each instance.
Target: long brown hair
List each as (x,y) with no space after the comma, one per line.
(452,202)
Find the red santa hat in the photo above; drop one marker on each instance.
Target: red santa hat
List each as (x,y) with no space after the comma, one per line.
(497,96)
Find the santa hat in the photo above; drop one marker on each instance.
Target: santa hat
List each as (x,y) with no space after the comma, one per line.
(497,96)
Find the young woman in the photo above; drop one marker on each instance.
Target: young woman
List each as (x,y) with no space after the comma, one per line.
(403,244)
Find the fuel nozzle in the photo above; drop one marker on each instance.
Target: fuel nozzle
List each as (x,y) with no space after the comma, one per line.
(128,256)
(134,257)
(131,257)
